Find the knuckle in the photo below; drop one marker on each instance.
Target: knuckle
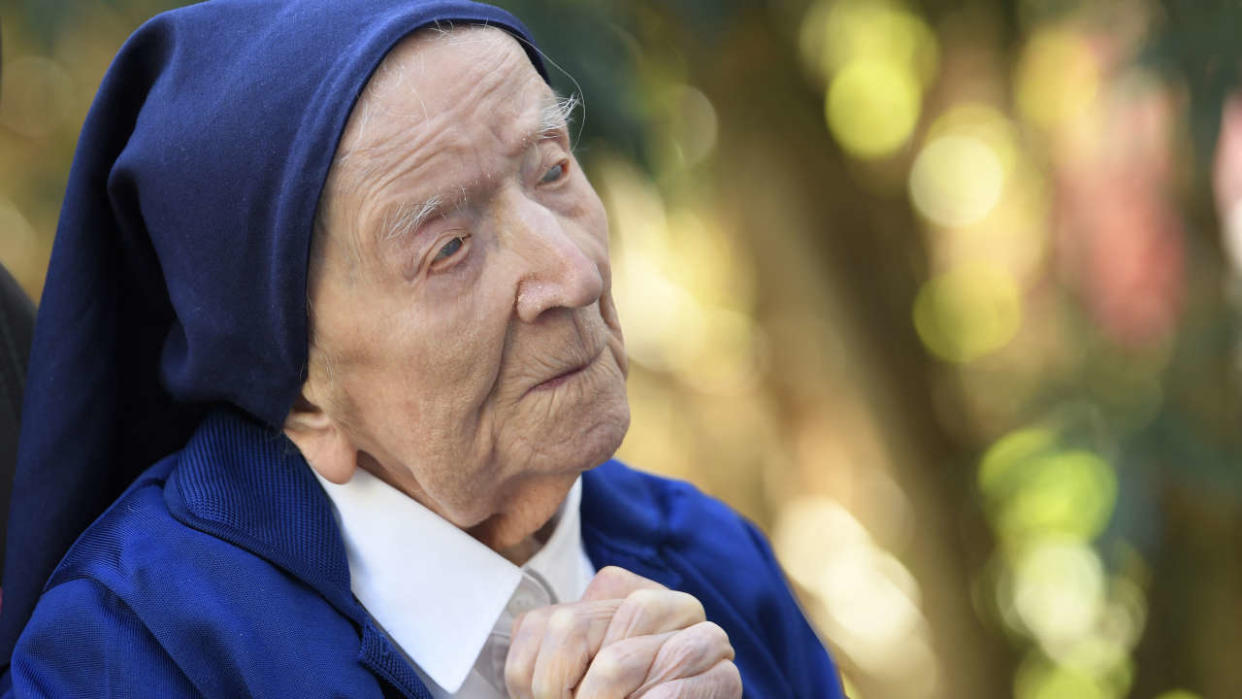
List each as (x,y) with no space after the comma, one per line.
(692,605)
(714,633)
(526,634)
(682,650)
(543,687)
(627,616)
(635,606)
(607,667)
(562,621)
(645,596)
(731,679)
(517,679)
(614,574)
(701,636)
(532,620)
(614,664)
(695,649)
(665,609)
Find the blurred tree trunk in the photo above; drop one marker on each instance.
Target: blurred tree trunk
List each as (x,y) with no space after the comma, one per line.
(1194,624)
(867,251)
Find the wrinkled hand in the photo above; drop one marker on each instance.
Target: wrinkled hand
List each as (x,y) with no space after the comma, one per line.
(628,637)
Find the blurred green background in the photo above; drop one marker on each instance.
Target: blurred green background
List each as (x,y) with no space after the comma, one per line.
(944,295)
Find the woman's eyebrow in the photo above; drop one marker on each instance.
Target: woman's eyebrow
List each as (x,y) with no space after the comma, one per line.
(404,218)
(554,114)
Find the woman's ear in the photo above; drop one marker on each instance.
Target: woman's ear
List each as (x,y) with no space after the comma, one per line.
(323,443)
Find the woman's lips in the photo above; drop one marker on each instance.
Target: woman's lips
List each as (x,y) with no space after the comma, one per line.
(563,377)
(558,380)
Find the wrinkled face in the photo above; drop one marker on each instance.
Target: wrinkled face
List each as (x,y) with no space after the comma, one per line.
(465,341)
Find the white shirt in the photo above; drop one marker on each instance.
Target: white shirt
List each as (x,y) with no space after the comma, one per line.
(446,600)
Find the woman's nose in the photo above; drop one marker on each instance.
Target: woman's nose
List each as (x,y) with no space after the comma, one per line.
(560,270)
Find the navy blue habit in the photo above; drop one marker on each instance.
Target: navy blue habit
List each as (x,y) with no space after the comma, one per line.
(172,331)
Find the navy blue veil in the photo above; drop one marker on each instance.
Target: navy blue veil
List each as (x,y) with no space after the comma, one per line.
(178,275)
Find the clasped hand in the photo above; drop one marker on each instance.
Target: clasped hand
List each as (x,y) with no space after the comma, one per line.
(628,637)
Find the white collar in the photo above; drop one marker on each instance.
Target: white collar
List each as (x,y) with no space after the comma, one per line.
(433,588)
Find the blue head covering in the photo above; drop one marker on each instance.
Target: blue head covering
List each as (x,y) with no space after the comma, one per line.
(178,276)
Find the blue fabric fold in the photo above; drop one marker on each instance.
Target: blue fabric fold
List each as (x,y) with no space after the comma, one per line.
(178,275)
(259,601)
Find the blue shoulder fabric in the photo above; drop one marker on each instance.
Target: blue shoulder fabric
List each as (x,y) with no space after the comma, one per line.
(178,275)
(109,638)
(210,577)
(188,584)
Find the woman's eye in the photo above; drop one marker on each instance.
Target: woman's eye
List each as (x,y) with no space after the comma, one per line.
(450,248)
(553,174)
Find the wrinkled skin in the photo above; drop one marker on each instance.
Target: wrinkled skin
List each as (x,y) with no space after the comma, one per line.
(627,637)
(466,350)
(433,347)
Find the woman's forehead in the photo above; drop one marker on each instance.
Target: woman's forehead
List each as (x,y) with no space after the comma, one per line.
(437,122)
(438,79)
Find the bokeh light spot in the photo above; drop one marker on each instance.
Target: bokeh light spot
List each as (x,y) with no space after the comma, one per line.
(1040,680)
(1003,461)
(809,530)
(984,122)
(870,600)
(956,180)
(1033,488)
(1058,591)
(871,29)
(968,312)
(1057,78)
(872,107)
(689,126)
(1069,493)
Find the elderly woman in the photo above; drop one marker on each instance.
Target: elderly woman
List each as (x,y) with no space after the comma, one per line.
(333,267)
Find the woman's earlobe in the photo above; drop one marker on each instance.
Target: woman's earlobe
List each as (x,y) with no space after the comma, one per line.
(322,442)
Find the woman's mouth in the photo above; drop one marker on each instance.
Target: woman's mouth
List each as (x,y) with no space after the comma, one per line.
(563,377)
